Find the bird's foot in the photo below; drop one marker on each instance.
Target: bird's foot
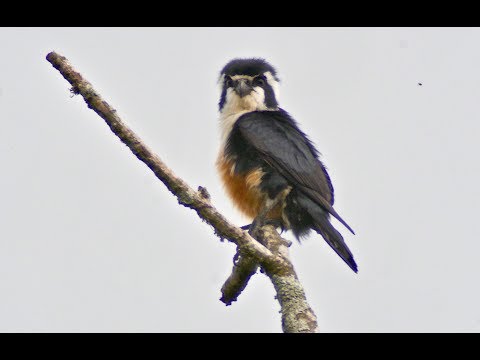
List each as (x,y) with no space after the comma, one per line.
(258,222)
(275,223)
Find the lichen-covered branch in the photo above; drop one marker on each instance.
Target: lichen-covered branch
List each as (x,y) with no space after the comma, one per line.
(296,313)
(242,271)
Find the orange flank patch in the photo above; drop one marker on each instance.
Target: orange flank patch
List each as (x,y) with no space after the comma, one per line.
(242,189)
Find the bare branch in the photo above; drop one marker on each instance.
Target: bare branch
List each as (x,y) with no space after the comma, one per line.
(297,316)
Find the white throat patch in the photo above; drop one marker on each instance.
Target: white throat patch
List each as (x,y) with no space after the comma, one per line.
(251,102)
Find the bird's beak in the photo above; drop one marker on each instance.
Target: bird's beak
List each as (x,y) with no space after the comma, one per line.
(242,88)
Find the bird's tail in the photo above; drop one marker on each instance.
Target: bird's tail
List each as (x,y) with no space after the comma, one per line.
(335,240)
(322,225)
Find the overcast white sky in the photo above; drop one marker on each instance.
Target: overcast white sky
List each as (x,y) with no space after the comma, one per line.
(90,240)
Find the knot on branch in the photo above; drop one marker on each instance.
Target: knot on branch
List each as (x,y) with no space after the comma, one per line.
(203,193)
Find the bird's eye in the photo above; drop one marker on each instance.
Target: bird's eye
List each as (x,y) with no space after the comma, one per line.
(259,81)
(228,81)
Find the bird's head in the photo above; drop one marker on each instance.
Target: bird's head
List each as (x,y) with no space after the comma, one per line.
(248,85)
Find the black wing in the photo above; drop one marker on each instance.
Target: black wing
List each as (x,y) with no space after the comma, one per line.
(287,149)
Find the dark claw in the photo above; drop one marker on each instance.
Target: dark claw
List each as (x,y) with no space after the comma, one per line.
(246,227)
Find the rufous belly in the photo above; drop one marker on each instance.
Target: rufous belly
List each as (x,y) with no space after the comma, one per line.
(244,189)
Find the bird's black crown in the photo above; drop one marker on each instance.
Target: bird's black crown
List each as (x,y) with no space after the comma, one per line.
(250,67)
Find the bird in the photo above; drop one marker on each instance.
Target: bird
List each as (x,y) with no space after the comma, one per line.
(269,167)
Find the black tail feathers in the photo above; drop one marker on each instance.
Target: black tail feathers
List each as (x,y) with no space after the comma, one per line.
(335,240)
(319,221)
(321,224)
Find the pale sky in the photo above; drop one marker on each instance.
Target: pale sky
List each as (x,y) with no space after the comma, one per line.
(91,241)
